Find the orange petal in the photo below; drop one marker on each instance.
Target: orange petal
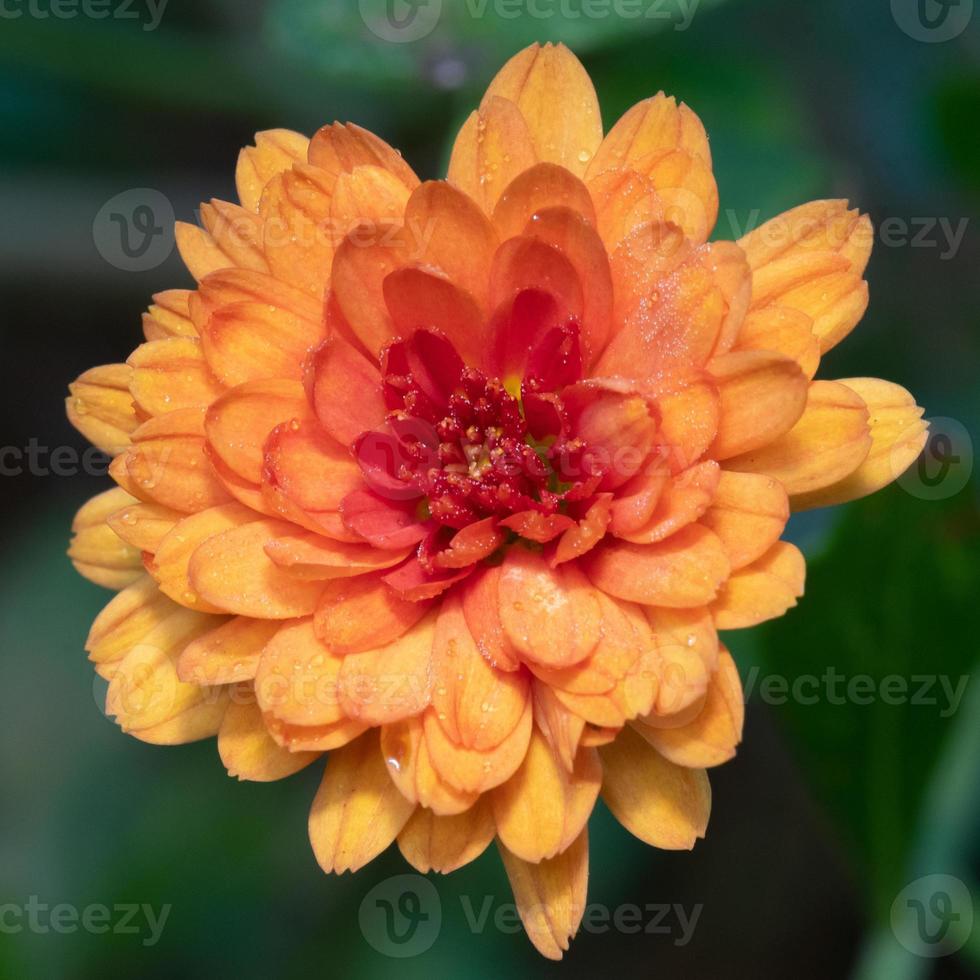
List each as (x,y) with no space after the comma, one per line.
(363,260)
(785,331)
(568,231)
(550,615)
(492,148)
(543,807)
(562,727)
(312,556)
(550,895)
(811,259)
(687,644)
(169,316)
(477,705)
(145,690)
(763,590)
(367,197)
(430,842)
(663,804)
(527,263)
(748,513)
(828,443)
(362,614)
(898,435)
(230,287)
(307,466)
(236,233)
(555,96)
(345,390)
(448,230)
(624,200)
(391,682)
(297,236)
(406,755)
(711,736)
(418,298)
(358,811)
(313,738)
(143,526)
(96,550)
(667,144)
(683,571)
(671,306)
(252,341)
(762,395)
(470,770)
(541,187)
(689,418)
(233,572)
(685,499)
(131,615)
(249,752)
(341,147)
(481,607)
(171,374)
(298,679)
(201,720)
(239,422)
(100,406)
(275,150)
(228,654)
(170,563)
(167,463)
(589,531)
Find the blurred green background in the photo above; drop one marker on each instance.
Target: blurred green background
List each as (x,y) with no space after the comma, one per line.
(833,806)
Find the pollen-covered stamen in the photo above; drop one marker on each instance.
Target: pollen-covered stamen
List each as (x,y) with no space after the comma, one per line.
(464,442)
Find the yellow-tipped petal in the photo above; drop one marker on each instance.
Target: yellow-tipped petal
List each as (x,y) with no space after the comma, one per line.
(898,434)
(543,807)
(358,811)
(101,407)
(663,804)
(557,100)
(829,442)
(712,734)
(550,895)
(275,150)
(96,551)
(430,842)
(249,752)
(763,590)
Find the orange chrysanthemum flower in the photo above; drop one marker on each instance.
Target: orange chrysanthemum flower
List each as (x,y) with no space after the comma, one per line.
(457,480)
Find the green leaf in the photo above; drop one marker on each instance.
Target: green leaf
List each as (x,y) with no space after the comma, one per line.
(892,600)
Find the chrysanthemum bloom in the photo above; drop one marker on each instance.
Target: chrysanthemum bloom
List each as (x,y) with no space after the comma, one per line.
(456,481)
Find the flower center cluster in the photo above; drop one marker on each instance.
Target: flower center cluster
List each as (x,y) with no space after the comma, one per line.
(468,446)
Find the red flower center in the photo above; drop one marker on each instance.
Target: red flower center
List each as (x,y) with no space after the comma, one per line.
(474,447)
